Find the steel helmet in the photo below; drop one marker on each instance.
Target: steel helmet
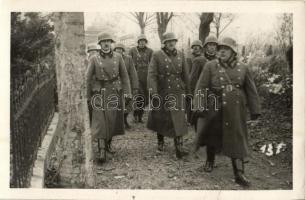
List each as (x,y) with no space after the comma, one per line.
(169,36)
(210,39)
(104,36)
(142,37)
(120,45)
(197,43)
(92,47)
(229,42)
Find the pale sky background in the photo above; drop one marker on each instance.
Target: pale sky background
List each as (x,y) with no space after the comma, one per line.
(244,27)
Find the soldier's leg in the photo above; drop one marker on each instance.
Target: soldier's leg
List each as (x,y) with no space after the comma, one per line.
(239,172)
(125,121)
(140,115)
(102,150)
(109,148)
(209,165)
(160,142)
(180,152)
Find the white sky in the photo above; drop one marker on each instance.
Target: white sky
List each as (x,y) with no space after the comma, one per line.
(185,26)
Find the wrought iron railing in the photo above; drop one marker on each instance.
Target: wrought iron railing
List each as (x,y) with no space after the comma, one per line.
(32,107)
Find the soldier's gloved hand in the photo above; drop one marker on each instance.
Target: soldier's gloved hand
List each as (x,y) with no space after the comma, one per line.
(255,116)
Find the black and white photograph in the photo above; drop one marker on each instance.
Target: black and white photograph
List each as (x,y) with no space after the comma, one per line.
(155,100)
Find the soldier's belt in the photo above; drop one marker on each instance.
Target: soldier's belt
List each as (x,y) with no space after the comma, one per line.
(109,81)
(167,75)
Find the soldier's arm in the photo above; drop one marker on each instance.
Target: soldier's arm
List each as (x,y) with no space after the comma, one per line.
(202,85)
(185,76)
(124,76)
(195,73)
(251,93)
(152,77)
(89,75)
(133,76)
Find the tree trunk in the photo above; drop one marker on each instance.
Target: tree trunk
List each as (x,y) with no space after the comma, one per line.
(204,28)
(74,146)
(162,20)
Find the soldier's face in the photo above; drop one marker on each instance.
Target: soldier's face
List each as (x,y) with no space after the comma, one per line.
(196,49)
(142,43)
(211,47)
(119,50)
(105,45)
(171,44)
(225,53)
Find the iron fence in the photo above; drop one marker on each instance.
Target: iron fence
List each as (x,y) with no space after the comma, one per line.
(32,107)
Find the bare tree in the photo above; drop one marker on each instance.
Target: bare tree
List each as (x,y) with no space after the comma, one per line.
(74,147)
(143,19)
(163,19)
(221,21)
(204,27)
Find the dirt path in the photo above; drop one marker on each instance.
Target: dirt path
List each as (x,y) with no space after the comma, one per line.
(137,165)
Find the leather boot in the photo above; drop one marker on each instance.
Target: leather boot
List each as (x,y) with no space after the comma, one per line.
(160,142)
(102,151)
(125,121)
(239,172)
(135,116)
(180,152)
(109,148)
(141,112)
(209,165)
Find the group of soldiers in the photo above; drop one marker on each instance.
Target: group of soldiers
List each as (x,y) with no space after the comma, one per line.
(143,74)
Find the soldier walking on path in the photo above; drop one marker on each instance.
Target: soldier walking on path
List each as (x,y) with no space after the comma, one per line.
(111,82)
(133,77)
(168,79)
(141,56)
(222,122)
(196,47)
(210,49)
(92,49)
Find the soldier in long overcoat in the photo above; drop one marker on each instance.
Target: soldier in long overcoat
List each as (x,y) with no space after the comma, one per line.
(227,87)
(92,49)
(168,85)
(197,52)
(141,56)
(210,47)
(133,77)
(209,53)
(111,83)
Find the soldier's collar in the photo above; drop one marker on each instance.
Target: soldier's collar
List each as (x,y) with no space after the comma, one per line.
(109,54)
(141,49)
(230,63)
(209,56)
(170,53)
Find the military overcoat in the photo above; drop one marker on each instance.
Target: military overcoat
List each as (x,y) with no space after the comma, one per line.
(106,94)
(168,77)
(133,77)
(226,127)
(141,59)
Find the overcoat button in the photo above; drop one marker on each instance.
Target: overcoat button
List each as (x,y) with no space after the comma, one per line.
(221,78)
(238,70)
(224,103)
(227,123)
(168,80)
(169,86)
(224,94)
(166,66)
(222,86)
(237,101)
